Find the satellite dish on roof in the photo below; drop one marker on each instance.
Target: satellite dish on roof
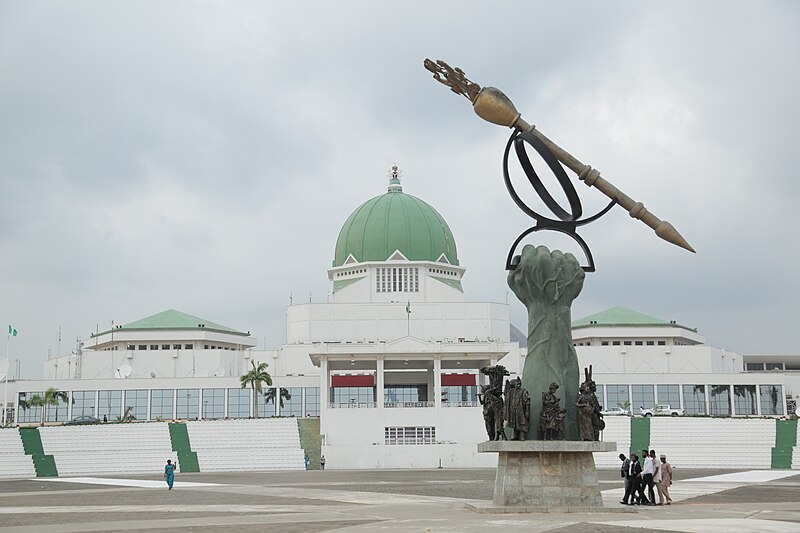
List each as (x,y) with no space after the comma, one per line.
(123,372)
(220,372)
(3,368)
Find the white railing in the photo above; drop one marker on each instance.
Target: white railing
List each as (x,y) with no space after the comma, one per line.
(409,404)
(461,404)
(352,405)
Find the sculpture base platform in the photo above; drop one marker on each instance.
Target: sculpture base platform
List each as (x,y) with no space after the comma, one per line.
(545,476)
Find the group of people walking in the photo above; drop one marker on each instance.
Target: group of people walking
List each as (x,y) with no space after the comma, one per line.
(647,474)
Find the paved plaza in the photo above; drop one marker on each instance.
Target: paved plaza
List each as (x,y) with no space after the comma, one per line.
(707,501)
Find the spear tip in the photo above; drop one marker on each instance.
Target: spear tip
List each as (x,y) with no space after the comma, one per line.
(667,231)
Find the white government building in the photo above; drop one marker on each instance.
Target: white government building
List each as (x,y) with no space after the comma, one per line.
(391,364)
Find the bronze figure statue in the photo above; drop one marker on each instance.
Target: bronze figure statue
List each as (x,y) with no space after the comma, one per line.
(551,418)
(590,418)
(517,409)
(492,401)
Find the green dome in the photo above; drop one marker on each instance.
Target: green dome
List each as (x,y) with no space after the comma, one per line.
(395,221)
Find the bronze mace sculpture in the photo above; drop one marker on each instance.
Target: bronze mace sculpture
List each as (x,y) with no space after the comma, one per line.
(492,105)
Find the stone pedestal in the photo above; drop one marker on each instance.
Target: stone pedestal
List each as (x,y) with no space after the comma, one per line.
(541,476)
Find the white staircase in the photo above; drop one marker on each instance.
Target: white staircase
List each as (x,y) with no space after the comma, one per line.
(714,442)
(260,444)
(13,461)
(109,448)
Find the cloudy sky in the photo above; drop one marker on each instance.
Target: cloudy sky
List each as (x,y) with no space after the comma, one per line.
(203,156)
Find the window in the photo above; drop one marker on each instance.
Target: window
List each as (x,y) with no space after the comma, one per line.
(312,401)
(131,347)
(751,367)
(669,394)
(110,404)
(744,400)
(188,403)
(406,436)
(176,346)
(405,393)
(774,366)
(161,404)
(137,400)
(627,343)
(603,343)
(154,346)
(27,412)
(60,411)
(294,405)
(213,403)
(771,397)
(638,343)
(614,343)
(459,393)
(352,395)
(397,279)
(142,346)
(642,396)
(617,396)
(662,343)
(83,402)
(239,403)
(694,399)
(651,343)
(189,346)
(165,346)
(720,399)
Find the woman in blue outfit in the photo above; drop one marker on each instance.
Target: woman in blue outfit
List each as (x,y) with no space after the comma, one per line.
(169,473)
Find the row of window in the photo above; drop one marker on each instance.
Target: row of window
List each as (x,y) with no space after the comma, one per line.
(142,347)
(168,404)
(402,394)
(722,400)
(443,272)
(351,272)
(754,367)
(397,279)
(409,435)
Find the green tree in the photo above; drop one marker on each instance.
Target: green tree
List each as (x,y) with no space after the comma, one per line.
(285,395)
(127,416)
(254,378)
(61,397)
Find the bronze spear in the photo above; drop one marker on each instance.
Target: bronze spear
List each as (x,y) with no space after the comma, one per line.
(494,106)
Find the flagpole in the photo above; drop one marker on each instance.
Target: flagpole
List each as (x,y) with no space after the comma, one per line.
(5,393)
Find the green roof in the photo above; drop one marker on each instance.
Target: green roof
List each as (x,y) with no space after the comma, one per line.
(395,221)
(619,316)
(172,319)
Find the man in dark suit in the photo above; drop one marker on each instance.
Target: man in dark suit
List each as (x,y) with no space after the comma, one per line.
(626,475)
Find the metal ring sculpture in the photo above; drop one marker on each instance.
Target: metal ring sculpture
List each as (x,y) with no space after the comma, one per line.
(568,221)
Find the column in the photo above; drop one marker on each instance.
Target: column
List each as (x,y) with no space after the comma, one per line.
(174,404)
(69,407)
(437,381)
(324,397)
(149,404)
(379,396)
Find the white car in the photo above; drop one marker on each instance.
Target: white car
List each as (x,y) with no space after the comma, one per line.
(662,410)
(614,411)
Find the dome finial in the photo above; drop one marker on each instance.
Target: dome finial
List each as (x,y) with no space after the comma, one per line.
(394,175)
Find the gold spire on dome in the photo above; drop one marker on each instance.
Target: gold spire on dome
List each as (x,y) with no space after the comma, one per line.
(394,175)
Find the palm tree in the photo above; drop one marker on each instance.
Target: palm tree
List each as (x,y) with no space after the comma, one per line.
(43,400)
(255,377)
(61,396)
(128,416)
(270,396)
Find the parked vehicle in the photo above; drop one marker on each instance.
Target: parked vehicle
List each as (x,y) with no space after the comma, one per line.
(661,410)
(615,411)
(86,419)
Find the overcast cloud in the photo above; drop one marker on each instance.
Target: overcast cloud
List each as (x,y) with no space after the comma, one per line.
(203,156)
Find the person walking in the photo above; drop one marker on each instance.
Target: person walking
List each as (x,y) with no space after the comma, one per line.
(637,493)
(666,479)
(169,473)
(305,459)
(657,477)
(648,470)
(322,462)
(626,475)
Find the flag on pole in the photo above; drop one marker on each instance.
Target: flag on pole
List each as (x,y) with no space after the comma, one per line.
(12,331)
